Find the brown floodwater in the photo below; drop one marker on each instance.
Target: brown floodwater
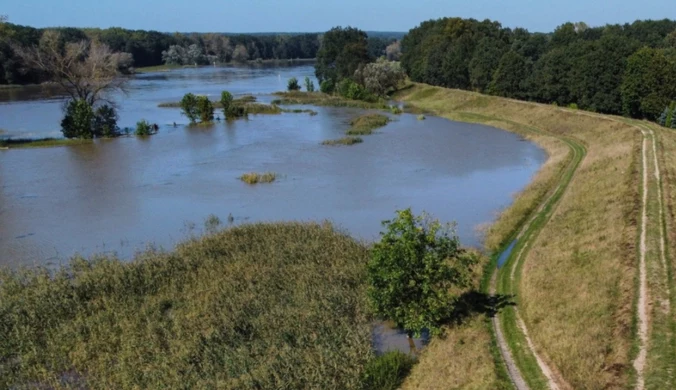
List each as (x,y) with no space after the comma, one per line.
(121,195)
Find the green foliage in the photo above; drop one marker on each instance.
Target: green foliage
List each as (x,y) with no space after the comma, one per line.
(509,79)
(210,314)
(327,86)
(350,89)
(649,83)
(205,109)
(592,67)
(105,122)
(388,371)
(380,77)
(293,84)
(414,270)
(78,121)
(144,128)
(365,124)
(189,107)
(573,106)
(256,178)
(342,51)
(309,84)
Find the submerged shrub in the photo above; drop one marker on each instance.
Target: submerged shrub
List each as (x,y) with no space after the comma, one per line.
(387,372)
(255,178)
(144,128)
(189,107)
(205,109)
(309,84)
(293,84)
(105,122)
(78,121)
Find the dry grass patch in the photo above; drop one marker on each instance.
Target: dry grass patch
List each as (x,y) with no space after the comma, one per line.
(256,178)
(576,289)
(367,123)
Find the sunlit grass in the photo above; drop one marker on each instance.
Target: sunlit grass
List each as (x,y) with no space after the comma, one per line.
(263,306)
(367,123)
(256,178)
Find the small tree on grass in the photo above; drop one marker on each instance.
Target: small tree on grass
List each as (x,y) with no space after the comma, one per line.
(414,270)
(309,85)
(189,107)
(293,84)
(205,109)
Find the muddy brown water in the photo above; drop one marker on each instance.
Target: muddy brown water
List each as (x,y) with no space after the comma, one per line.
(119,196)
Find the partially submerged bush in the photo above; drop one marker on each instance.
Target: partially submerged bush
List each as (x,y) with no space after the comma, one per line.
(189,107)
(256,178)
(347,141)
(309,84)
(293,84)
(205,109)
(105,122)
(144,128)
(78,121)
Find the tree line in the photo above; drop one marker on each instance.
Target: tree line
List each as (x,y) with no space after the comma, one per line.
(152,48)
(617,69)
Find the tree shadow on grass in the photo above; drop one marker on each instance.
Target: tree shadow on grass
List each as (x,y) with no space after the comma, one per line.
(474,303)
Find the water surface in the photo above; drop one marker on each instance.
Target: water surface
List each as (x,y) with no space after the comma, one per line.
(123,194)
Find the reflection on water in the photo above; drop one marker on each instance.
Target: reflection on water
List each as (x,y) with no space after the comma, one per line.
(119,195)
(386,338)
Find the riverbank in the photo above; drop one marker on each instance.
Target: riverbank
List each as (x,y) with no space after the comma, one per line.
(595,218)
(168,68)
(24,143)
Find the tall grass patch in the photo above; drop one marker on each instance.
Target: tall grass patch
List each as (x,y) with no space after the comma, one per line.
(255,178)
(367,123)
(254,307)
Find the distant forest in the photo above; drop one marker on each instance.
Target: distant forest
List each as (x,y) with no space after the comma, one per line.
(625,69)
(152,48)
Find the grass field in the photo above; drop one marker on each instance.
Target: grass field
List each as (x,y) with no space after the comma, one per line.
(345,141)
(259,306)
(576,284)
(367,123)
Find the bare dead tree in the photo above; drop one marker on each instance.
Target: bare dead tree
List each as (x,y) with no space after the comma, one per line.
(85,70)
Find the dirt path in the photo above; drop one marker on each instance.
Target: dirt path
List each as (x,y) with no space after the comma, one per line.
(642,306)
(526,235)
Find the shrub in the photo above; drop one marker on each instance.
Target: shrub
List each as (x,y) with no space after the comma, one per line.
(143,128)
(396,110)
(105,122)
(309,84)
(572,106)
(421,117)
(205,109)
(255,178)
(78,121)
(387,372)
(189,107)
(293,84)
(327,86)
(413,269)
(226,102)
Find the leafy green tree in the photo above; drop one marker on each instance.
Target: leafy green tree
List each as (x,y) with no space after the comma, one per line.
(105,122)
(327,86)
(380,77)
(649,83)
(144,128)
(293,84)
(484,63)
(309,84)
(662,119)
(77,123)
(510,77)
(189,107)
(226,103)
(412,271)
(205,109)
(341,53)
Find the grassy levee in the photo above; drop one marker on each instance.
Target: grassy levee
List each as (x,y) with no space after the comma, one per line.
(576,282)
(259,306)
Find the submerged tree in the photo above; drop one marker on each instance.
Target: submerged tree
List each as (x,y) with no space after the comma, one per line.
(189,107)
(412,271)
(309,84)
(293,84)
(205,109)
(87,71)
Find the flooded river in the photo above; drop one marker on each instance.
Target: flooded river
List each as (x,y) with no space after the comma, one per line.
(123,194)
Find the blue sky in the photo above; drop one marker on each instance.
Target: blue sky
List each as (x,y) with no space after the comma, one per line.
(320,15)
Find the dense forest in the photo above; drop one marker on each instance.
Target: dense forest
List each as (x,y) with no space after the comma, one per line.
(151,48)
(615,69)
